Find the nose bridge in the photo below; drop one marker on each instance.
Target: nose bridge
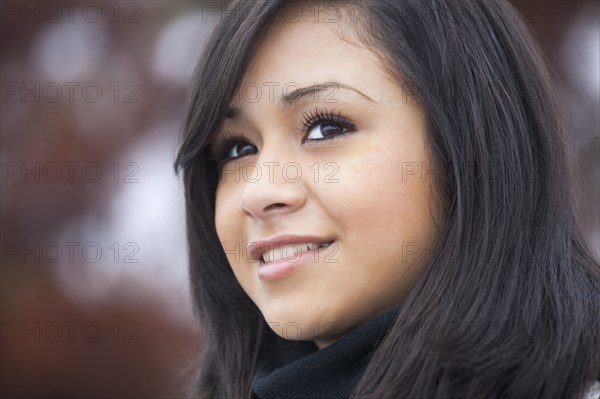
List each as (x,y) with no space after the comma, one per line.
(272,183)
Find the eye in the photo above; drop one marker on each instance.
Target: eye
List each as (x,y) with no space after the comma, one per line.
(239,149)
(323,125)
(324,131)
(230,146)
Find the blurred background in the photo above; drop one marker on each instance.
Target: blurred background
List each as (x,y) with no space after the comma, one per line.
(94,289)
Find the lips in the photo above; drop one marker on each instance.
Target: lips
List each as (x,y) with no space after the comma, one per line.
(284,246)
(288,251)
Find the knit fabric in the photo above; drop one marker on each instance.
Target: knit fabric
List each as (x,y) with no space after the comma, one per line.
(298,370)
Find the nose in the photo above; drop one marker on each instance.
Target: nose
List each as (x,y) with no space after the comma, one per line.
(274,188)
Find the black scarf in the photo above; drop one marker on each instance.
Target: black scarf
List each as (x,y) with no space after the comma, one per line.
(299,370)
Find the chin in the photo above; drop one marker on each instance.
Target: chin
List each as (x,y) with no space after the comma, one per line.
(302,322)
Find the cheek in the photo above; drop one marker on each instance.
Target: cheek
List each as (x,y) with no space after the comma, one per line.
(225,213)
(229,223)
(386,200)
(389,209)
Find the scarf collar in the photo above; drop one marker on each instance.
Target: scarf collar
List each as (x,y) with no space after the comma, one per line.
(300,370)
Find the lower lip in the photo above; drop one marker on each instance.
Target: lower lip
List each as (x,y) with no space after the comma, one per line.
(282,268)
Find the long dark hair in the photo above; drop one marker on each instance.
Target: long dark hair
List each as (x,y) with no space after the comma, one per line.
(508,305)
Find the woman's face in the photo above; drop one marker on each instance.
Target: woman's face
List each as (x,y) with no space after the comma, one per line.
(352,190)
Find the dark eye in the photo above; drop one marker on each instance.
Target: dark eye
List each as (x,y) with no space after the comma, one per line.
(320,125)
(240,149)
(323,131)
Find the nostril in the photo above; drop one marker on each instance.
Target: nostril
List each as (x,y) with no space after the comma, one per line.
(274,206)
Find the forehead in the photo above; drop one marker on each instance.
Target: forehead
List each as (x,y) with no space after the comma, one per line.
(303,52)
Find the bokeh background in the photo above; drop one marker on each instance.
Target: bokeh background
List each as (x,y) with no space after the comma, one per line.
(94,290)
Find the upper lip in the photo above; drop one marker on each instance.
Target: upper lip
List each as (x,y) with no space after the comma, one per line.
(256,249)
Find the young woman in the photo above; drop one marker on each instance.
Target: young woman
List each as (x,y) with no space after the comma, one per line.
(378,207)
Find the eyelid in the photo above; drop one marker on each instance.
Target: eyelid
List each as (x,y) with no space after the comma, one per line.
(318,116)
(222,144)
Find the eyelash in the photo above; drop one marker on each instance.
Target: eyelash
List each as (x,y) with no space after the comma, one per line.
(320,116)
(218,151)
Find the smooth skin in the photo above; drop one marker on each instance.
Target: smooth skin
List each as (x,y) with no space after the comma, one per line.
(374,197)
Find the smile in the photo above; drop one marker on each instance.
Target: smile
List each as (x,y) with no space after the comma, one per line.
(291,251)
(279,257)
(286,245)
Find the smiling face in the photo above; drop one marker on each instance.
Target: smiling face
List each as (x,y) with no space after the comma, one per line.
(339,169)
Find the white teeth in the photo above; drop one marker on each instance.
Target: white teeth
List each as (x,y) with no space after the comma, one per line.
(289,251)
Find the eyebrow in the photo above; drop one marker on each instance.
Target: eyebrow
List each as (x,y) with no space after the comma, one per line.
(290,98)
